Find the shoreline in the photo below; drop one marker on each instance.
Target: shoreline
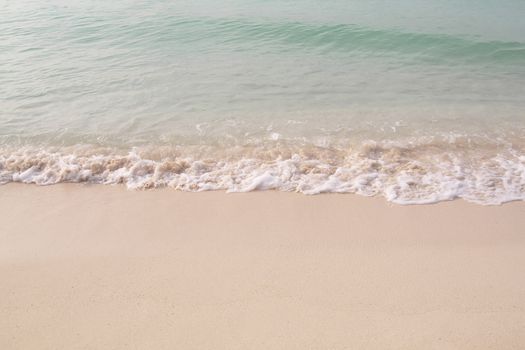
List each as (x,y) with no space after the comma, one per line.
(89,266)
(485,171)
(376,197)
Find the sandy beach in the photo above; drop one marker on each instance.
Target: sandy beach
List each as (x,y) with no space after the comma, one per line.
(262,175)
(101,267)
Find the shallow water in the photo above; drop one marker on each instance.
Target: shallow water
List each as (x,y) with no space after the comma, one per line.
(418,101)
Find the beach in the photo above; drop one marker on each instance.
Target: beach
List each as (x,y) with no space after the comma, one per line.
(103,267)
(307,174)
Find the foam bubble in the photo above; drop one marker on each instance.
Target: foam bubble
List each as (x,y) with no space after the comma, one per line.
(406,173)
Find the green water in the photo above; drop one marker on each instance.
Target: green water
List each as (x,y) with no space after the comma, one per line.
(266,80)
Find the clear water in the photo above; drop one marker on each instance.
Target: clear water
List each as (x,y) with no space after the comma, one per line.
(418,101)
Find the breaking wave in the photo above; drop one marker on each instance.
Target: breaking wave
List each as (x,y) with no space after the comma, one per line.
(420,172)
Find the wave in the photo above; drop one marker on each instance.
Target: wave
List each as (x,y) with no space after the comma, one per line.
(413,173)
(206,34)
(285,36)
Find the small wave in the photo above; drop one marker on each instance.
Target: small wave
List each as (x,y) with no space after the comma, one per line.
(286,36)
(415,173)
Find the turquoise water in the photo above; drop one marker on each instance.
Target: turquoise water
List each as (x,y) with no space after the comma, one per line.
(418,101)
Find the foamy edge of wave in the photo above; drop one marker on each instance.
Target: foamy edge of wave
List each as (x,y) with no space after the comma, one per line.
(372,170)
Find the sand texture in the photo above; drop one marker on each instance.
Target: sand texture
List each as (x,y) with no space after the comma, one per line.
(101,267)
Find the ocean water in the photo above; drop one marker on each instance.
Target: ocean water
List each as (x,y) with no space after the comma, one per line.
(418,101)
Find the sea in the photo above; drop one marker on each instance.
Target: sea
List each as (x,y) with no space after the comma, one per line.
(417,101)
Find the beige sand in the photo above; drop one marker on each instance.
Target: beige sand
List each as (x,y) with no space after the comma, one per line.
(99,267)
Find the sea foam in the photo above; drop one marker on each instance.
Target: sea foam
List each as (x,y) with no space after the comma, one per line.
(426,172)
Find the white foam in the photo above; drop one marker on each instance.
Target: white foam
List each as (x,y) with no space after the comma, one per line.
(409,175)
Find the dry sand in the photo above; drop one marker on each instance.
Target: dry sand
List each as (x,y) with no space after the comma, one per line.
(100,267)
